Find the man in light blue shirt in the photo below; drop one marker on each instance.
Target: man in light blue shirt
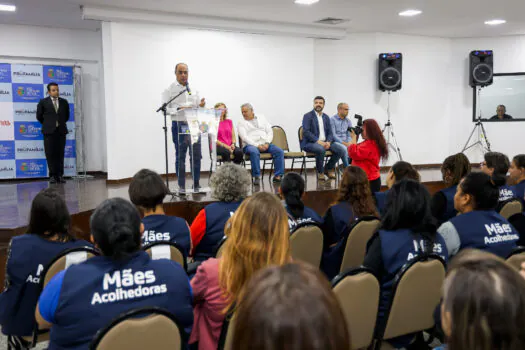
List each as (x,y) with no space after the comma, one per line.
(340,124)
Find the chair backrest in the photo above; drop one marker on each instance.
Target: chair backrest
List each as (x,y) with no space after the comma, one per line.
(280,139)
(306,244)
(416,293)
(66,259)
(510,208)
(360,233)
(300,134)
(166,250)
(516,258)
(145,328)
(226,337)
(220,247)
(358,293)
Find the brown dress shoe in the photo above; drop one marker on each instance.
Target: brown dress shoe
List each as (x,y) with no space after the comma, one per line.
(330,174)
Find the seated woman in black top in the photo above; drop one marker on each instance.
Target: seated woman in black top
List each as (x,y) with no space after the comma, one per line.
(354,200)
(292,191)
(399,171)
(497,165)
(454,168)
(47,236)
(407,230)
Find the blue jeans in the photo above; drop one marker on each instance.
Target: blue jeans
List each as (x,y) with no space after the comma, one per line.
(182,143)
(345,158)
(255,158)
(320,152)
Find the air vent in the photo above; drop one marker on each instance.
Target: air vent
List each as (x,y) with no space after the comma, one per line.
(332,21)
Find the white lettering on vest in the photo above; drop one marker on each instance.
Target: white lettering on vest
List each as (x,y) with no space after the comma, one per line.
(152,236)
(36,279)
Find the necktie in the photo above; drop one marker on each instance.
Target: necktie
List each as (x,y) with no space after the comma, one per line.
(55,104)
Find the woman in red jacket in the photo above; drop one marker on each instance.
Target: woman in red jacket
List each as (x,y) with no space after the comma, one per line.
(368,153)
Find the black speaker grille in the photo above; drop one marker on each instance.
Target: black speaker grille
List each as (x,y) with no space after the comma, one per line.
(390,78)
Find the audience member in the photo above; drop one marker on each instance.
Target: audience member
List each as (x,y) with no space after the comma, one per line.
(48,234)
(257,135)
(483,304)
(292,191)
(454,168)
(368,153)
(258,237)
(226,138)
(354,200)
(517,176)
(86,297)
(497,165)
(408,229)
(147,191)
(289,307)
(400,170)
(479,225)
(318,138)
(340,130)
(230,184)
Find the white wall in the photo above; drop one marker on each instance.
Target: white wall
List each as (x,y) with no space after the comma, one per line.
(273,73)
(41,45)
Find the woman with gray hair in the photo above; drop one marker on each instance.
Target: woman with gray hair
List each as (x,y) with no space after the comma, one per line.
(230,184)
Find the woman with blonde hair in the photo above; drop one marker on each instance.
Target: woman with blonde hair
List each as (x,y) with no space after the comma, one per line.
(258,237)
(226,138)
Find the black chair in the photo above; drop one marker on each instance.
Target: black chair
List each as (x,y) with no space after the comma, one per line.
(219,247)
(144,328)
(516,257)
(225,339)
(173,251)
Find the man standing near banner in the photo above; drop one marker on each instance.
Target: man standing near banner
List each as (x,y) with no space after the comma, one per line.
(53,113)
(180,130)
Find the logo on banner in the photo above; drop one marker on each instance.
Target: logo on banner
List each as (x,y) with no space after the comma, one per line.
(29,150)
(7,171)
(5,123)
(26,74)
(70,150)
(6,92)
(25,112)
(31,168)
(7,150)
(28,92)
(58,74)
(28,131)
(65,94)
(5,73)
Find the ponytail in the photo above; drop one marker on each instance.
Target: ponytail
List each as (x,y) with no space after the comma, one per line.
(498,180)
(292,189)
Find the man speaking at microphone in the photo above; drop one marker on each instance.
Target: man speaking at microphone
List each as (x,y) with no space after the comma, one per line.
(180,130)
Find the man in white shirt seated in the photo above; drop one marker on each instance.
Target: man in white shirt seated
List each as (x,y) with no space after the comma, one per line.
(256,134)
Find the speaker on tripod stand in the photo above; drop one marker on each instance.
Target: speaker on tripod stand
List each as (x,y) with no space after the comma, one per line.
(390,78)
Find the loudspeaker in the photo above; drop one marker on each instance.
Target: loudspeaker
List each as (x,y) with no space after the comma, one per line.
(481,68)
(390,71)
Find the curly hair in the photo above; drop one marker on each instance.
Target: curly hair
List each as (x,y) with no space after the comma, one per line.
(355,189)
(455,168)
(230,183)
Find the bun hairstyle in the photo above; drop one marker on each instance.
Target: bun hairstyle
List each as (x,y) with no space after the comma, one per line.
(519,160)
(500,163)
(404,170)
(115,226)
(455,168)
(292,189)
(483,188)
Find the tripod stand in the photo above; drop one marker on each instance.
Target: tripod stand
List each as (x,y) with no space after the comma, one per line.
(388,130)
(479,129)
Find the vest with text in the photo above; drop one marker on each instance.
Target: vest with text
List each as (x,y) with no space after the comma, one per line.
(506,193)
(309,217)
(164,228)
(450,211)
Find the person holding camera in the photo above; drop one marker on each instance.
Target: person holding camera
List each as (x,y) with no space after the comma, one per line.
(368,153)
(341,131)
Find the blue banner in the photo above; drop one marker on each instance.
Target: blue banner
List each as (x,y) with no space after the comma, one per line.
(26,131)
(31,168)
(7,150)
(5,73)
(28,92)
(58,74)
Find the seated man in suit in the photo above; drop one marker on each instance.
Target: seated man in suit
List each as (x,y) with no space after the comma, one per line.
(257,134)
(318,138)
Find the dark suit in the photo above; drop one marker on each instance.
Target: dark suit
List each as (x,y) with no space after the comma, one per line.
(311,136)
(54,129)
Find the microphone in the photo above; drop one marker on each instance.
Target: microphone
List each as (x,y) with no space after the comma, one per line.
(188,88)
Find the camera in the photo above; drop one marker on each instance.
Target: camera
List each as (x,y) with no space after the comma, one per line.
(358,129)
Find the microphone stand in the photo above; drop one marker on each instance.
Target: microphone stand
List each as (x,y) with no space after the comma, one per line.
(163,108)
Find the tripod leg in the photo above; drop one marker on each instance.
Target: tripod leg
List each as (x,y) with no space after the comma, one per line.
(466,147)
(484,134)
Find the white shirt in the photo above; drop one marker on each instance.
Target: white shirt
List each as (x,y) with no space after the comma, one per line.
(184,100)
(255,132)
(322,136)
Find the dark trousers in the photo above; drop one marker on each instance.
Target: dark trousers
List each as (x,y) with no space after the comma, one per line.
(226,154)
(54,146)
(182,143)
(375,185)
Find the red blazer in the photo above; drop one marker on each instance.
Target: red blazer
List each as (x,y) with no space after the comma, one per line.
(366,156)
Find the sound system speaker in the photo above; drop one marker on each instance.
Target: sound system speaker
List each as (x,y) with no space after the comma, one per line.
(481,63)
(390,71)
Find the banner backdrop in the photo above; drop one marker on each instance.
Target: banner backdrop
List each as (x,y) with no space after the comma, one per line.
(21,140)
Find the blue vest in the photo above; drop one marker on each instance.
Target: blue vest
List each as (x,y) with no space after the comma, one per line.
(24,268)
(164,228)
(506,193)
(519,190)
(342,217)
(381,201)
(450,211)
(398,248)
(486,230)
(217,214)
(95,292)
(309,217)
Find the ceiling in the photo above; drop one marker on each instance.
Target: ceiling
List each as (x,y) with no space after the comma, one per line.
(441,18)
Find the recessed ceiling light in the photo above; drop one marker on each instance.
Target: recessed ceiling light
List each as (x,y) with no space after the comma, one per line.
(410,13)
(8,8)
(495,22)
(306,2)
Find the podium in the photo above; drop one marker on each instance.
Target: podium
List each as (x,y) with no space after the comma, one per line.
(191,125)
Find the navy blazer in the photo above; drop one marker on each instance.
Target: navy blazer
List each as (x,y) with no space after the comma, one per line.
(311,128)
